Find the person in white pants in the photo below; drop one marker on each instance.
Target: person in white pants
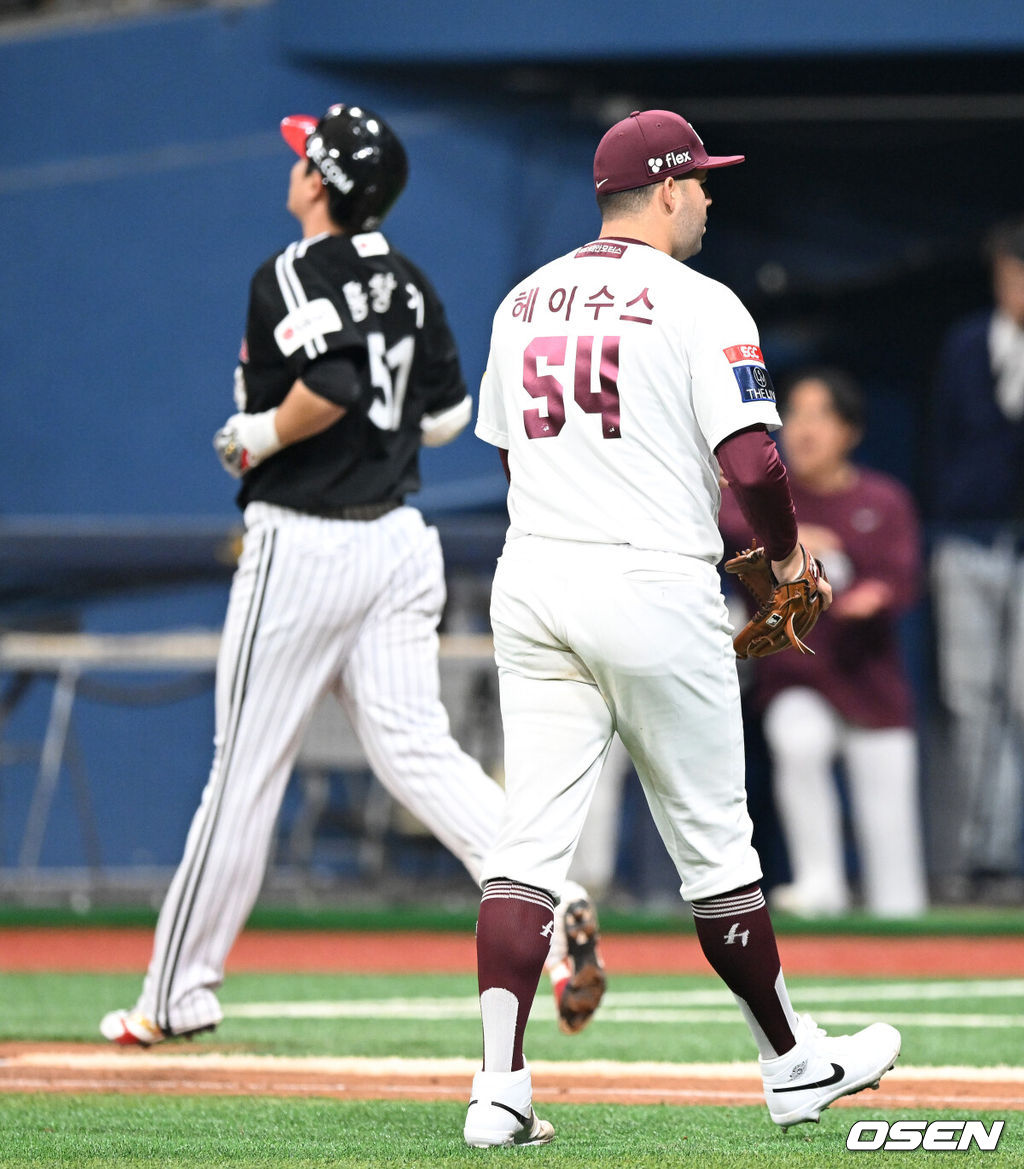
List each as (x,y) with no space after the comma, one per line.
(806,736)
(621,385)
(850,702)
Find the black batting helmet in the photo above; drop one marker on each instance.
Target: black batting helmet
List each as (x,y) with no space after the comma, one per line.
(359,157)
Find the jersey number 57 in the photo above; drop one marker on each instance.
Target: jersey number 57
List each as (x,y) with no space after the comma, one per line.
(389,373)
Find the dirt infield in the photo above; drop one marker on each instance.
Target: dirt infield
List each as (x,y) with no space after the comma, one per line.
(185,1069)
(115,950)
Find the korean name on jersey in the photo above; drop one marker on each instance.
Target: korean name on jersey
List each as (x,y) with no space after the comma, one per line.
(614,371)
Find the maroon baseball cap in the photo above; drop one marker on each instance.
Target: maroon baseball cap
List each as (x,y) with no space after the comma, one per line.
(648,146)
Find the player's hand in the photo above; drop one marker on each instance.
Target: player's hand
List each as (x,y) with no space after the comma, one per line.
(789,600)
(245,440)
(793,566)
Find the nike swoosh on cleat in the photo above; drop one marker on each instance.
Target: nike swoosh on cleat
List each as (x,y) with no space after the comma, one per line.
(837,1074)
(525,1121)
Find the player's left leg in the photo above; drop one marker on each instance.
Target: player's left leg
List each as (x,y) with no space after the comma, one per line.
(680,719)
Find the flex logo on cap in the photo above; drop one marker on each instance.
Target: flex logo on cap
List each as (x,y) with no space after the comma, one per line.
(672,158)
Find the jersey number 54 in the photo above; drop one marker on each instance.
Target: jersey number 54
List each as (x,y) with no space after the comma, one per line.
(604,400)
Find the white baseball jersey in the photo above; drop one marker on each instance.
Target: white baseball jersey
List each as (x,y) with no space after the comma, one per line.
(636,467)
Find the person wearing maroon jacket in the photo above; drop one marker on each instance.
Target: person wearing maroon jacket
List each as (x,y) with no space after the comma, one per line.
(852,700)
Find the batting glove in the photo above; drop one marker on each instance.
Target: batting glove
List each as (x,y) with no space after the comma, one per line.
(245,440)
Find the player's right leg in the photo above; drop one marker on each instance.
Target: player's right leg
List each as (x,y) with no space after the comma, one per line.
(390,689)
(670,678)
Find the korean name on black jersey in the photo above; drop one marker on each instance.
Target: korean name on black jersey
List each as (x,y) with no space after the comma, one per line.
(364,328)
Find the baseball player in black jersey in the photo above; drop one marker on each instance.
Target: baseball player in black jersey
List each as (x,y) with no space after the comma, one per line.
(348,365)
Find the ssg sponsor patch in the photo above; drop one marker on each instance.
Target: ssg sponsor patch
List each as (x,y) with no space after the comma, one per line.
(749,370)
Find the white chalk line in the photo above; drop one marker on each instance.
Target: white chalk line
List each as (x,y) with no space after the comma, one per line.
(683,1006)
(425,1011)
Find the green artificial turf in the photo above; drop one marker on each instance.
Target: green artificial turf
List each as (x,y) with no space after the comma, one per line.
(940,922)
(87,1132)
(69,1007)
(82,1132)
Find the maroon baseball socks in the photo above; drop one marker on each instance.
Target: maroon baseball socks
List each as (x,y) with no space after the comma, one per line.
(735,932)
(513,936)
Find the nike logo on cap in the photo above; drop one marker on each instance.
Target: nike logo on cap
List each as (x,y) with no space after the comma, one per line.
(837,1074)
(602,182)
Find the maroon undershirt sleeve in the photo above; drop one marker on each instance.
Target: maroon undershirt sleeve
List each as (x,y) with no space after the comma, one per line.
(750,461)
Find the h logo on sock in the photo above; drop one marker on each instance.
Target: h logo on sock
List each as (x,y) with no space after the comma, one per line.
(548,930)
(735,934)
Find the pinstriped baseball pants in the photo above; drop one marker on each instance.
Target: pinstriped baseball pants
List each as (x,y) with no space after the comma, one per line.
(316,605)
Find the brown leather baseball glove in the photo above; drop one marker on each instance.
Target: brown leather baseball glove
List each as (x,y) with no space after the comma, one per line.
(786,612)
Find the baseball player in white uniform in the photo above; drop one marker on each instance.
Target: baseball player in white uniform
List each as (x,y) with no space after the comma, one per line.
(348,365)
(620,384)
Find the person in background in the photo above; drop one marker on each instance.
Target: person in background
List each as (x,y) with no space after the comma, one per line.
(976,495)
(851,700)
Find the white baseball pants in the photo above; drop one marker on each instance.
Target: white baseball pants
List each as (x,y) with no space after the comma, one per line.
(593,638)
(806,737)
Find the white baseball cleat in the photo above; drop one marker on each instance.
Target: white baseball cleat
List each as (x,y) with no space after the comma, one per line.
(501,1112)
(804,1081)
(133,1029)
(130,1028)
